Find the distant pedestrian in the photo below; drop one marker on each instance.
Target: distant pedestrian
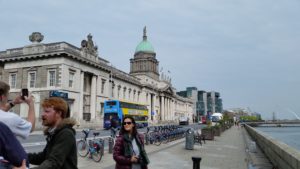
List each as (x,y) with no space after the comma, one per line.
(129,151)
(238,124)
(60,151)
(114,121)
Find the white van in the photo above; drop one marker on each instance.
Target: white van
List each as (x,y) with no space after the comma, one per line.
(216,117)
(183,120)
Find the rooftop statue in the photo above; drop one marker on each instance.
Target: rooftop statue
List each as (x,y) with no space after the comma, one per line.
(36,37)
(88,45)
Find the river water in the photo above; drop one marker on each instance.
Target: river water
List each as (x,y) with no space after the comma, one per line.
(287,135)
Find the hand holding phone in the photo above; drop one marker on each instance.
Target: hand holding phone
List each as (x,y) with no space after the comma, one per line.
(24,93)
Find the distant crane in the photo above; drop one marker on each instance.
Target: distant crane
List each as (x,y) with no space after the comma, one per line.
(249,111)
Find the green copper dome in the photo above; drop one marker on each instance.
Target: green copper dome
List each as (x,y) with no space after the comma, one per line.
(145,45)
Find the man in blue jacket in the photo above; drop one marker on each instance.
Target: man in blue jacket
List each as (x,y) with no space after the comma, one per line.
(10,149)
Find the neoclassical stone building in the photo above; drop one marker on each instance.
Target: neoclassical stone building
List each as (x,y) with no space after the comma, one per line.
(87,80)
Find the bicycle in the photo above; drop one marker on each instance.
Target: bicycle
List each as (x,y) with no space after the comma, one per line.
(156,137)
(93,147)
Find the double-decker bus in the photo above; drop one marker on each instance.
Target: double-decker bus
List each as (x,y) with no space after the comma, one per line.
(117,110)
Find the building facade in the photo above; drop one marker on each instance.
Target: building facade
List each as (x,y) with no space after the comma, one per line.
(205,103)
(86,80)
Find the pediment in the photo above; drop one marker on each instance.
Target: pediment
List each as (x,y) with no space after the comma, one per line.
(167,89)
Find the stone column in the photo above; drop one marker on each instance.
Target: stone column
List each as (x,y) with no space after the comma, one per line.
(166,109)
(150,105)
(170,112)
(93,97)
(153,106)
(80,116)
(173,110)
(169,108)
(162,112)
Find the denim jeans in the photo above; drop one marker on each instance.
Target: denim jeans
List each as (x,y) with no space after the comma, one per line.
(5,165)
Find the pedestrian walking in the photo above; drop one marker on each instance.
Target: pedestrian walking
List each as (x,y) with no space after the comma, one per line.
(129,151)
(60,151)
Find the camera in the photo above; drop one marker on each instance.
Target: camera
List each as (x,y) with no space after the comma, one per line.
(24,93)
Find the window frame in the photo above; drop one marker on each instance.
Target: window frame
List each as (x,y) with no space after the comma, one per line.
(71,81)
(49,78)
(13,86)
(29,79)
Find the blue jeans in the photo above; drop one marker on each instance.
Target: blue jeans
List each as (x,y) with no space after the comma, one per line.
(5,165)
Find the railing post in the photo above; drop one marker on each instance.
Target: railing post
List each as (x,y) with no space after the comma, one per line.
(102,150)
(196,162)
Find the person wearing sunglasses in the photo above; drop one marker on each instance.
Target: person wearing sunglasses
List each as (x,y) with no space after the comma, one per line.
(129,151)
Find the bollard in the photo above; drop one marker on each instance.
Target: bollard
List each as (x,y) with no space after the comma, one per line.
(196,162)
(102,150)
(110,145)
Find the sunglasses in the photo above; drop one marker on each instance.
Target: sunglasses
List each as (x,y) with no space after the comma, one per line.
(124,123)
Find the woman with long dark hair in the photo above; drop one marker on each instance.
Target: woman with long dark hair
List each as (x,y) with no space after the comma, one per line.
(129,151)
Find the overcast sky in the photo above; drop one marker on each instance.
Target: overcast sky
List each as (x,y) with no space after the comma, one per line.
(248,50)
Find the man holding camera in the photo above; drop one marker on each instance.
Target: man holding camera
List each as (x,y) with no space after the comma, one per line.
(19,126)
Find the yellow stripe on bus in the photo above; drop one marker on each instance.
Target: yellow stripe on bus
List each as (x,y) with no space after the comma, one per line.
(127,111)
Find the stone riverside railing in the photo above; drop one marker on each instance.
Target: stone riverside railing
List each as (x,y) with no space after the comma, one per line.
(280,154)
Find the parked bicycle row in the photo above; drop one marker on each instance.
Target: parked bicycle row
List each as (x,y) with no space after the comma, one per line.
(94,147)
(163,134)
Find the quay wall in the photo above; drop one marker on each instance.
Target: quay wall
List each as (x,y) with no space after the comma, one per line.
(280,154)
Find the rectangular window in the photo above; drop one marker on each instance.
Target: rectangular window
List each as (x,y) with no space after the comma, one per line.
(31,79)
(119,88)
(111,103)
(102,86)
(124,93)
(51,77)
(13,80)
(71,79)
(112,90)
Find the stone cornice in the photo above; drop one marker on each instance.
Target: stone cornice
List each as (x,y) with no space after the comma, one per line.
(183,99)
(36,51)
(118,74)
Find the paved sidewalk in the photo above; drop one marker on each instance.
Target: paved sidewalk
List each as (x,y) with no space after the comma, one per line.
(225,152)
